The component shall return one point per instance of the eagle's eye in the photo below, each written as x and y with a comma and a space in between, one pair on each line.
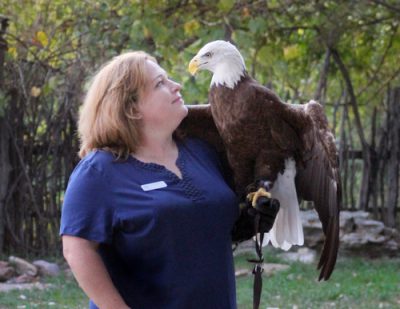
208, 55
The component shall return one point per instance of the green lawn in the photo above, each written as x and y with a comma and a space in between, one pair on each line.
356, 283
63, 293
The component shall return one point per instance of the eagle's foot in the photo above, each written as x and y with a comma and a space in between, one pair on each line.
261, 203
254, 196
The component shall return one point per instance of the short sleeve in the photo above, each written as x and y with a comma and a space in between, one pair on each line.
87, 210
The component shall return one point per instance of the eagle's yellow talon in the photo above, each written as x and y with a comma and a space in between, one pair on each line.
253, 196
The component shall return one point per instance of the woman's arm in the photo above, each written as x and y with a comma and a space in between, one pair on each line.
90, 272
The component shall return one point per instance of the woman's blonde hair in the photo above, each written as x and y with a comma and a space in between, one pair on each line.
109, 116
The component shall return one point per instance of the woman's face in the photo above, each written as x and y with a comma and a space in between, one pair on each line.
160, 104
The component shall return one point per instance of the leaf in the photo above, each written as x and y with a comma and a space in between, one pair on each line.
42, 38
13, 52
146, 32
191, 27
291, 52
257, 25
226, 5
245, 12
35, 91
265, 55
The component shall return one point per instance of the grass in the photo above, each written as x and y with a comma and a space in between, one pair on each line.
62, 293
355, 283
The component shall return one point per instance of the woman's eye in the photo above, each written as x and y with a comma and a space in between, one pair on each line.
161, 82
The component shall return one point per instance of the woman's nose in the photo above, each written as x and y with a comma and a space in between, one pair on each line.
176, 86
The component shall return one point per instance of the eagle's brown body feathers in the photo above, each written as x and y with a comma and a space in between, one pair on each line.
275, 129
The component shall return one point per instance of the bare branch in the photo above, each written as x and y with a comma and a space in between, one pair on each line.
353, 99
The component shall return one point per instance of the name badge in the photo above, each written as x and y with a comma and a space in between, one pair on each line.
153, 185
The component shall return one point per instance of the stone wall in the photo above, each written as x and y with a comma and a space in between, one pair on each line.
359, 234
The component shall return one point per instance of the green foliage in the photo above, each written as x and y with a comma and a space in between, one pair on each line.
2, 103
55, 46
282, 44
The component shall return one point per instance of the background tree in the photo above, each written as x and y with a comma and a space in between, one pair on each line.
344, 53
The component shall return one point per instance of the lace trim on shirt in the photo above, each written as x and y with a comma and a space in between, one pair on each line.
190, 190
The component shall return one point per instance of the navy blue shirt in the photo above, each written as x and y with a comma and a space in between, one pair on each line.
165, 241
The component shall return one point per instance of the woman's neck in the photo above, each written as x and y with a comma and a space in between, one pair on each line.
163, 151
156, 148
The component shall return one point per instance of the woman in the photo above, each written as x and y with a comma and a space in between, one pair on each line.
147, 218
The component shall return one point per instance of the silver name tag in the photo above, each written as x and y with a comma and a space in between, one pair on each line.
153, 185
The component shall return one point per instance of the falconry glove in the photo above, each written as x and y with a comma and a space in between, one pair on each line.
244, 227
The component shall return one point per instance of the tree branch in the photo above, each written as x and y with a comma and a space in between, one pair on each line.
353, 99
323, 77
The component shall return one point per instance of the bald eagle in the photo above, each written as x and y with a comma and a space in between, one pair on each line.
285, 149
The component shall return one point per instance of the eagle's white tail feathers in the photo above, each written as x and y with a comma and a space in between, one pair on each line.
287, 229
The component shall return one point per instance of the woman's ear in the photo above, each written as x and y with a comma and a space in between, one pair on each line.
133, 112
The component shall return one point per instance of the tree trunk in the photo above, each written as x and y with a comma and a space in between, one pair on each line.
5, 165
368, 152
323, 78
5, 168
394, 157
343, 156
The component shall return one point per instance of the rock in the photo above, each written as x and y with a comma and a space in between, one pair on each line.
354, 240
68, 273
46, 268
272, 268
6, 271
368, 226
312, 228
366, 235
23, 279
23, 267
358, 233
7, 287
392, 245
242, 272
4, 264
313, 237
303, 255
347, 215
310, 219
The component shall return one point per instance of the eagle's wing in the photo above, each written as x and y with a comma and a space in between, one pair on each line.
303, 131
200, 123
319, 181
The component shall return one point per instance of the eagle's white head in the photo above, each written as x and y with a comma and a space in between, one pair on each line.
221, 58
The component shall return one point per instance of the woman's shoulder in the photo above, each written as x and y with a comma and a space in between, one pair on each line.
99, 160
197, 144
200, 148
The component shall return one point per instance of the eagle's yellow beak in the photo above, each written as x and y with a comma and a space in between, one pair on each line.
193, 66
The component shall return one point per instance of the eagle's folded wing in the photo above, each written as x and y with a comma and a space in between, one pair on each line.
319, 181
200, 123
